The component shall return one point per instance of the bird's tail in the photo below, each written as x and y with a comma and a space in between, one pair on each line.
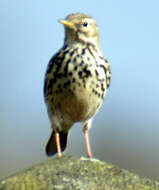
51, 147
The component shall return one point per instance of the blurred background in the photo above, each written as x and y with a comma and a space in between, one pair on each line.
126, 130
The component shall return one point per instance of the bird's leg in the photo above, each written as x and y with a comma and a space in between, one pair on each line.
86, 127
86, 136
57, 137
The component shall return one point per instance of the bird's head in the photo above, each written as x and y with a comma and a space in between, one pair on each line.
80, 28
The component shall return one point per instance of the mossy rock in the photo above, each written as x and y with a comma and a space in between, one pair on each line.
74, 173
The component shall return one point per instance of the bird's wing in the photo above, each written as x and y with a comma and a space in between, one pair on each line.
108, 74
50, 76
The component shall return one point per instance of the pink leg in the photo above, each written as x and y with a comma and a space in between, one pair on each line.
57, 137
86, 136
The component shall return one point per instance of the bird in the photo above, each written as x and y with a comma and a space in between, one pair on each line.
76, 80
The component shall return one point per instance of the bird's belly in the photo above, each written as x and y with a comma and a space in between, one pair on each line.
79, 104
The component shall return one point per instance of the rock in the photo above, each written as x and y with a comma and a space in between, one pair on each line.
74, 173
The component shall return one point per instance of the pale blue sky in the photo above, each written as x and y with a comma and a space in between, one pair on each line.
126, 130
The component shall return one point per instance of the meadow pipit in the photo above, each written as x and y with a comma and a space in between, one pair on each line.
76, 81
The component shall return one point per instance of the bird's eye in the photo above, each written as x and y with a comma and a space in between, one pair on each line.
85, 24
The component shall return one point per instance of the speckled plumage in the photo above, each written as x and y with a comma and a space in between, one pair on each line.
76, 80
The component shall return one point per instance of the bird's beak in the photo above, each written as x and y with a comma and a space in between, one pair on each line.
67, 23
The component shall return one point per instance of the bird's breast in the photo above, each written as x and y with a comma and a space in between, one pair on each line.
82, 93
77, 83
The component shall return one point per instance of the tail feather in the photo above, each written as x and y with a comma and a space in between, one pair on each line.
51, 148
